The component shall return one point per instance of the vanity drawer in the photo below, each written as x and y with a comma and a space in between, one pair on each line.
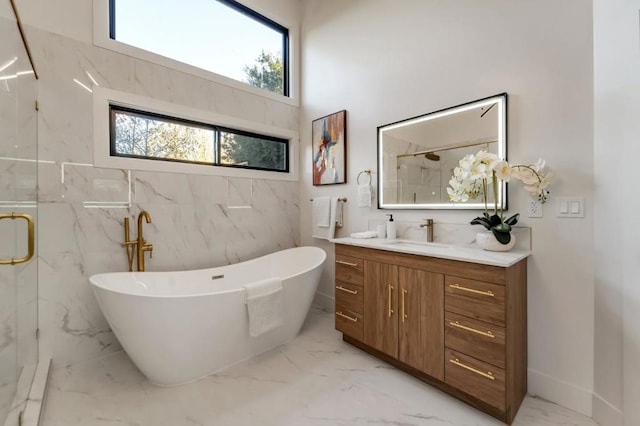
349, 269
349, 296
484, 381
349, 322
478, 339
475, 299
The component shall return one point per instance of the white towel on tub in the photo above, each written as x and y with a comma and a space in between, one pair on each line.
265, 305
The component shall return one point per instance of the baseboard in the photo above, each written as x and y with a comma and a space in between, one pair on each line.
325, 301
606, 413
33, 411
562, 393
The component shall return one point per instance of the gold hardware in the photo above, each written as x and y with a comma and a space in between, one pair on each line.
368, 174
129, 246
142, 245
404, 315
339, 287
340, 314
343, 199
473, 330
429, 225
390, 290
31, 239
342, 262
470, 290
488, 374
139, 245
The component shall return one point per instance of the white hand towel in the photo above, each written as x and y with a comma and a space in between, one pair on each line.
364, 195
329, 232
321, 211
265, 305
364, 234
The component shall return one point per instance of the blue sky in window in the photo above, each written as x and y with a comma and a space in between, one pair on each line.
203, 33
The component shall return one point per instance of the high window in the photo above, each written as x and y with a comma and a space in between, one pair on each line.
146, 135
222, 36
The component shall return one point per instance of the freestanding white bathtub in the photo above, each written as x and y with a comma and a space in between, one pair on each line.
178, 327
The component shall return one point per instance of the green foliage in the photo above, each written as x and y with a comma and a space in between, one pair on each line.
500, 228
147, 137
252, 152
266, 73
151, 138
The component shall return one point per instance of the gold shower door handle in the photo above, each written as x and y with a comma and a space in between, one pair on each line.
31, 239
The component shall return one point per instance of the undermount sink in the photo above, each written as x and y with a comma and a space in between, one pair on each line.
417, 244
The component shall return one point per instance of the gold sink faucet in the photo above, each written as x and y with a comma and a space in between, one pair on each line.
429, 225
142, 245
138, 245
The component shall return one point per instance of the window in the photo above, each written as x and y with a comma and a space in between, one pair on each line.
221, 36
146, 135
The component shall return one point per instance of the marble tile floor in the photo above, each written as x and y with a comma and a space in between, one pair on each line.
314, 380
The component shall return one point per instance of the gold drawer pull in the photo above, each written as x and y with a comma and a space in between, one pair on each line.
340, 314
470, 290
473, 330
390, 290
339, 287
342, 262
488, 374
404, 313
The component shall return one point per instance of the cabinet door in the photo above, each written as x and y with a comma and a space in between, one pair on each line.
381, 307
421, 321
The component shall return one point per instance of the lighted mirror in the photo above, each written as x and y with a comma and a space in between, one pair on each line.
416, 156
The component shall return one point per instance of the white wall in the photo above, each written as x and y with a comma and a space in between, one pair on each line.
616, 149
383, 61
193, 224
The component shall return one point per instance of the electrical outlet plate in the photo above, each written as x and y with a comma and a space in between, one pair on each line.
534, 208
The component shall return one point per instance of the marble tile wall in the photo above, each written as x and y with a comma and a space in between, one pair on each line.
197, 221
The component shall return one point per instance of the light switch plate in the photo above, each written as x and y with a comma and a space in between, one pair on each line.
570, 207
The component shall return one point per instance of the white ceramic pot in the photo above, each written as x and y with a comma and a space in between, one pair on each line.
487, 241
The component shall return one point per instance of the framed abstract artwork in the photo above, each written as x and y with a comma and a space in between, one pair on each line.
329, 147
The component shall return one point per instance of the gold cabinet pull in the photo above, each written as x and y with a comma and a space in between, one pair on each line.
30, 238
473, 330
488, 374
390, 290
342, 262
404, 315
340, 314
470, 290
339, 287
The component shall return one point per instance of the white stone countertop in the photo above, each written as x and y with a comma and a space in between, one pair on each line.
466, 253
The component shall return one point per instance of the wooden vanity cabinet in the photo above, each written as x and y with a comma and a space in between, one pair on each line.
349, 296
459, 326
404, 307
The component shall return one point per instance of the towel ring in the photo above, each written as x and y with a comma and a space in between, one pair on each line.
368, 172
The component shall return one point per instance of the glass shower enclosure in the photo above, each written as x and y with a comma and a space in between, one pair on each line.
18, 219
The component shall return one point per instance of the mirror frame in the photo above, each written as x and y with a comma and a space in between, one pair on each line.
501, 100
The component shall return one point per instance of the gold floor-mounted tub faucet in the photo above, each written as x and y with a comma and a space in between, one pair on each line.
139, 245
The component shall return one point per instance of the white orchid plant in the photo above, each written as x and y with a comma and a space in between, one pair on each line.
476, 173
